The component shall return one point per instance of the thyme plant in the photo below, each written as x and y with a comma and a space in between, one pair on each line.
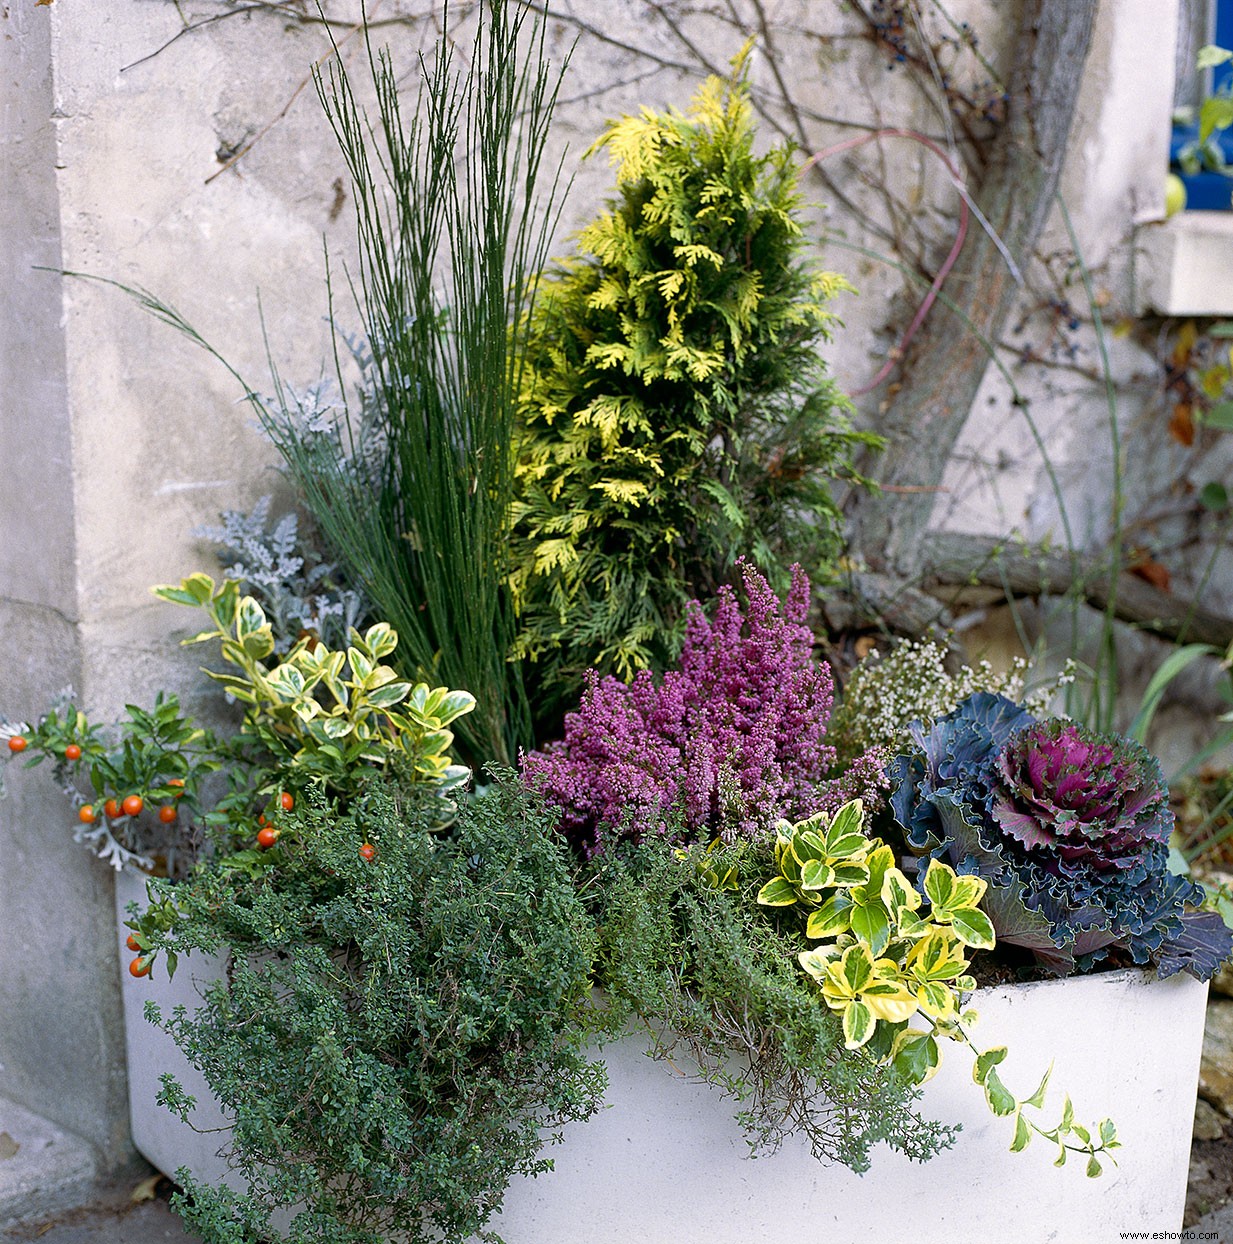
387, 1076
684, 945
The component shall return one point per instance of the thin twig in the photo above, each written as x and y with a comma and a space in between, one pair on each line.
335, 50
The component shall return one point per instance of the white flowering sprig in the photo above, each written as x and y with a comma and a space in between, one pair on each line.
884, 695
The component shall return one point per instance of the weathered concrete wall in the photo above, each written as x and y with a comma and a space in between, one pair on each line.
61, 1049
118, 437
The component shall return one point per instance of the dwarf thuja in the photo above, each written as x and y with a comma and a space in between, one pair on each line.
674, 412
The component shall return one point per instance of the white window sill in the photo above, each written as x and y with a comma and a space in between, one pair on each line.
1188, 264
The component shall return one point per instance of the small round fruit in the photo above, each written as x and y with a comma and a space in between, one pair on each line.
261, 819
166, 814
287, 800
85, 814
18, 743
132, 805
72, 752
112, 810
178, 783
132, 943
267, 837
367, 851
139, 967
1175, 195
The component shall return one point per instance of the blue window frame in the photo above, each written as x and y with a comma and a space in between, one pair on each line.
1209, 191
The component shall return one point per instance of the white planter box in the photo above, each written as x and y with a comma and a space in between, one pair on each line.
665, 1161
158, 1135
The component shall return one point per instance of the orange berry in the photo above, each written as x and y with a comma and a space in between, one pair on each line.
139, 967
18, 744
287, 800
112, 809
72, 752
166, 814
367, 851
179, 783
261, 819
85, 814
132, 943
132, 805
267, 837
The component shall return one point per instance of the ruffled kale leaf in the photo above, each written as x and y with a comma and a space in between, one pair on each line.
1070, 828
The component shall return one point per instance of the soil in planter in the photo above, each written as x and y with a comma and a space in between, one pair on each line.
1211, 1176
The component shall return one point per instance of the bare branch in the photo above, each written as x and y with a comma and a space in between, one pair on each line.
950, 561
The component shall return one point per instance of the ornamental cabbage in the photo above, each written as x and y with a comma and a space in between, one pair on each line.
1069, 827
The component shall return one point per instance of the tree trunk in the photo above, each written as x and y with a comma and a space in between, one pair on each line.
923, 419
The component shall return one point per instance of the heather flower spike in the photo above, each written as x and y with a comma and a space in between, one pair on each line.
721, 747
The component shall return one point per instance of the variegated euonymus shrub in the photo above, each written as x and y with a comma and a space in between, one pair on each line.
892, 960
312, 717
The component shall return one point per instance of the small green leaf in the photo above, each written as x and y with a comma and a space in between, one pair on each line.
1215, 113
917, 1059
986, 1061
777, 893
1214, 496
1023, 1134
816, 875
389, 695
973, 927
175, 595
1001, 1100
939, 884
831, 919
1037, 1099
381, 639
872, 925
1209, 56
1093, 1167
858, 1025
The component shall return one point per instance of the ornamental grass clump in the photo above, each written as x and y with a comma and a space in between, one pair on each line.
720, 747
1070, 827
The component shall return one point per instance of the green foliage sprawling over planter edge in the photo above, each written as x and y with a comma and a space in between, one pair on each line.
392, 1034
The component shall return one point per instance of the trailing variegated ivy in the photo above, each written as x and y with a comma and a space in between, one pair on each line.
889, 952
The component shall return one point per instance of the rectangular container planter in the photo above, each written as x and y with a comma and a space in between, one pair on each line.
665, 1159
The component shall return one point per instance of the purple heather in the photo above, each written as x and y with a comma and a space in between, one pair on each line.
722, 746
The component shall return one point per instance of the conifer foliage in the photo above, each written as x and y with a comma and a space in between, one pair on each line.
674, 413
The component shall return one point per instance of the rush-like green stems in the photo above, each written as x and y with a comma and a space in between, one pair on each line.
414, 496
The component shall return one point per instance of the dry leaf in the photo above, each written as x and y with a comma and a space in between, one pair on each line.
8, 1146
1181, 425
1152, 572
147, 1190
